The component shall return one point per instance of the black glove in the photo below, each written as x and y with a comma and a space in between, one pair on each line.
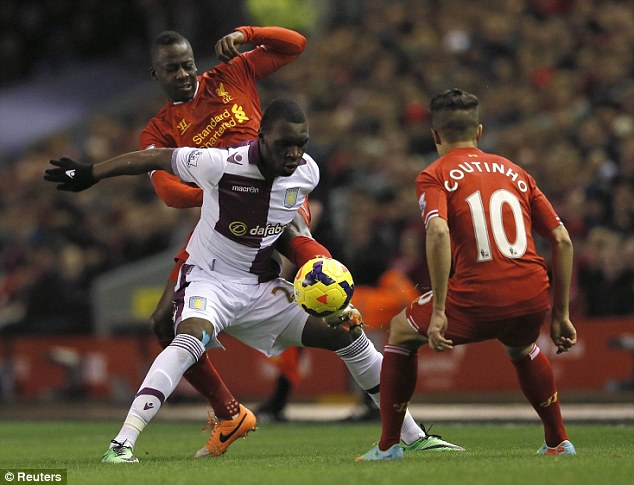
71, 176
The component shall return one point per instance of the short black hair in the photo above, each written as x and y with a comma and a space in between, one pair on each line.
282, 108
454, 114
165, 39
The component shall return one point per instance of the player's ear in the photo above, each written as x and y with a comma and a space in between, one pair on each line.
435, 136
153, 73
479, 130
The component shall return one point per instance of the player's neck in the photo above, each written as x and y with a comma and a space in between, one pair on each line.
445, 148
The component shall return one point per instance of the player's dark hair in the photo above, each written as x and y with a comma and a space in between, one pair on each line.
282, 109
166, 39
454, 114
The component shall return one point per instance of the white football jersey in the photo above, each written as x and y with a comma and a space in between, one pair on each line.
243, 214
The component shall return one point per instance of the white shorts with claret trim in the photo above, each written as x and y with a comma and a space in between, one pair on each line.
263, 316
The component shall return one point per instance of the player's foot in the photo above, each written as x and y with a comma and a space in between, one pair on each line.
394, 452
119, 453
226, 431
563, 448
431, 442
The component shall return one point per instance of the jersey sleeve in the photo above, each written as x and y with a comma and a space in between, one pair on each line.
168, 187
544, 217
152, 136
276, 47
304, 211
175, 193
204, 167
432, 198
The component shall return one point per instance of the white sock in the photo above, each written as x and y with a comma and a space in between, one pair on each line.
364, 363
166, 371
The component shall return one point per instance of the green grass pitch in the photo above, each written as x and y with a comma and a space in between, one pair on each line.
320, 453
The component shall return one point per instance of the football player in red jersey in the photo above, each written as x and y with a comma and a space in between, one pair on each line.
479, 211
218, 108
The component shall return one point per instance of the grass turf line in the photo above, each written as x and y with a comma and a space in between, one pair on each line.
319, 454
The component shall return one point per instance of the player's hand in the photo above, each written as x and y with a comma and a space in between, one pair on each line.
227, 46
436, 332
70, 176
562, 333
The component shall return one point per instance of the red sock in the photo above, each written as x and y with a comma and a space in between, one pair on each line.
398, 381
535, 375
206, 380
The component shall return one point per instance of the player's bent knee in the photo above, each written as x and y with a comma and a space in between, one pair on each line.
402, 333
517, 353
196, 327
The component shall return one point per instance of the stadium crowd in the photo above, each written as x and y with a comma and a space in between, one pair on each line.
556, 78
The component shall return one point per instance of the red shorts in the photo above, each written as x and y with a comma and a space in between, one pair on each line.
463, 328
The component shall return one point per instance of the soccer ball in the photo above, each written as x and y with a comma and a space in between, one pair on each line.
323, 286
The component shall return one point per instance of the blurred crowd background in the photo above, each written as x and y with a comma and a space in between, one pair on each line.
555, 79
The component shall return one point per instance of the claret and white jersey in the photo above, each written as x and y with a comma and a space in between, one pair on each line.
243, 214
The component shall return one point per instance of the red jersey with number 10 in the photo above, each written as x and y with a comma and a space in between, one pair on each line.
491, 206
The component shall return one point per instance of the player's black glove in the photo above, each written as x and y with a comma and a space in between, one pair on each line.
70, 175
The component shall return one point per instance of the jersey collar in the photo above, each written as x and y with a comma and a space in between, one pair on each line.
175, 103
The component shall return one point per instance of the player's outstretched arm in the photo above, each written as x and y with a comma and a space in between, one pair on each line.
72, 176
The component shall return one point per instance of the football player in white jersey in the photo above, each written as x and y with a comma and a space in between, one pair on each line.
231, 283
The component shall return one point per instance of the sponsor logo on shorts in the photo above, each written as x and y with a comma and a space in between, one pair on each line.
198, 303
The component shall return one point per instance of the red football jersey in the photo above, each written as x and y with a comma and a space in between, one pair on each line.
226, 108
491, 206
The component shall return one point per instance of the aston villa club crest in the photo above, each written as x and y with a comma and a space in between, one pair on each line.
291, 197
198, 303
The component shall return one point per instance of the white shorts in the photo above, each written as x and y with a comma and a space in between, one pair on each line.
263, 316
